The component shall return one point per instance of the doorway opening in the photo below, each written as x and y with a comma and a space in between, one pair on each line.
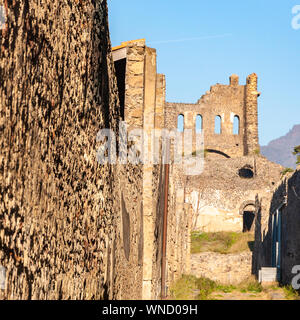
248, 220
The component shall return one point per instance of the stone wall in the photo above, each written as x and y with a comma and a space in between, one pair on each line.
144, 108
234, 268
220, 196
226, 101
70, 227
286, 195
59, 234
179, 227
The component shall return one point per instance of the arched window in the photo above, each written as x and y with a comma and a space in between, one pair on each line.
180, 123
246, 172
218, 123
236, 125
199, 123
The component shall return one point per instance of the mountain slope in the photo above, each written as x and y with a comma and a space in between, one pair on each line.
280, 150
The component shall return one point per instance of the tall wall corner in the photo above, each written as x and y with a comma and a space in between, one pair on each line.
160, 101
251, 115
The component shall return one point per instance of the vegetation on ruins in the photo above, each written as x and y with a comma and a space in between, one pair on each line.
297, 153
286, 170
221, 242
189, 287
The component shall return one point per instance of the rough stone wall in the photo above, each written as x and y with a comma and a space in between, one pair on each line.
144, 108
58, 206
179, 227
286, 193
219, 195
223, 268
226, 101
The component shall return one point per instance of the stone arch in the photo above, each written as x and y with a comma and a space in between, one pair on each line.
218, 152
248, 215
246, 172
246, 204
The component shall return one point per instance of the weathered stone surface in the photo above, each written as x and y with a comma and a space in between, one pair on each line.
223, 268
285, 196
226, 101
219, 196
61, 218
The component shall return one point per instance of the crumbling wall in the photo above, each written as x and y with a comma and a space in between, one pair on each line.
219, 196
144, 112
227, 102
286, 195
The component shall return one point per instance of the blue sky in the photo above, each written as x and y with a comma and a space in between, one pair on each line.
201, 43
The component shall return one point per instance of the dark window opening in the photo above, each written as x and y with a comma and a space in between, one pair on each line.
246, 173
248, 219
120, 66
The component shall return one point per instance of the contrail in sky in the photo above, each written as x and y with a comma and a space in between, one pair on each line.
192, 39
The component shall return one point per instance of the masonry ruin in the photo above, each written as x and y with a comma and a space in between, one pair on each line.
277, 236
74, 228
223, 196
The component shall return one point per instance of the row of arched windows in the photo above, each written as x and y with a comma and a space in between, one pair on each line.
218, 124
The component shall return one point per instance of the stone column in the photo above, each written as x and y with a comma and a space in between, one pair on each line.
160, 101
134, 85
251, 116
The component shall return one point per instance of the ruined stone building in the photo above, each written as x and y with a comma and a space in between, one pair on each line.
223, 196
277, 236
71, 227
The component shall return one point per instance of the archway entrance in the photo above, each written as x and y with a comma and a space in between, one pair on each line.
248, 219
247, 210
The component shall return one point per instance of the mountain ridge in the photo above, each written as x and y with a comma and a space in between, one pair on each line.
280, 150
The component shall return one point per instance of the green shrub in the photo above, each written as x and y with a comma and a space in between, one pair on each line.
286, 170
297, 153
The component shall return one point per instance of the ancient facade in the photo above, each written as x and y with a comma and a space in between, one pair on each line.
223, 196
142, 101
226, 103
277, 237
